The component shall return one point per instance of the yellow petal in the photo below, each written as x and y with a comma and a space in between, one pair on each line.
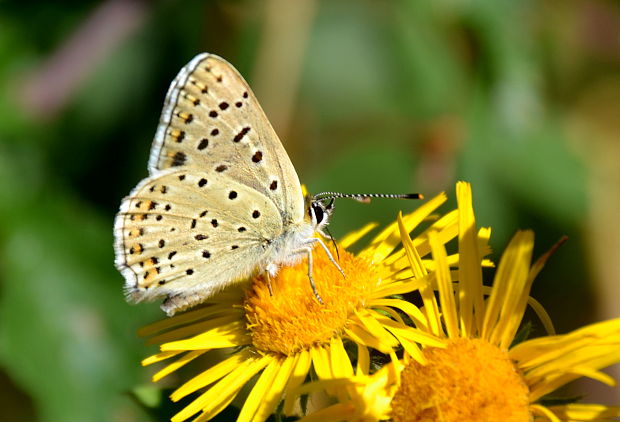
215, 408
542, 315
585, 412
363, 360
359, 335
428, 295
301, 367
374, 328
408, 308
509, 287
411, 348
324, 384
552, 361
595, 375
538, 409
229, 335
444, 284
320, 361
224, 389
159, 357
274, 393
446, 228
195, 328
471, 303
419, 336
264, 383
399, 287
212, 374
182, 361
588, 339
558, 379
341, 364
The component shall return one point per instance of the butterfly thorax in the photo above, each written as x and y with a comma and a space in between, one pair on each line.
290, 247
298, 237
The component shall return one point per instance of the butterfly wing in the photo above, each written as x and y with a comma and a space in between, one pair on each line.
221, 187
212, 121
187, 234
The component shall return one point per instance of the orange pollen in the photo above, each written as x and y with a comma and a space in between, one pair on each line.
292, 319
469, 381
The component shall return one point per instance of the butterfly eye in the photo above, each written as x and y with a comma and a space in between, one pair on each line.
318, 213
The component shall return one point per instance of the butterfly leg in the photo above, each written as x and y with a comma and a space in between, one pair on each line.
316, 293
329, 254
268, 277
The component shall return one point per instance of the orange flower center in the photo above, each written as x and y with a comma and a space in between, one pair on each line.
293, 319
469, 381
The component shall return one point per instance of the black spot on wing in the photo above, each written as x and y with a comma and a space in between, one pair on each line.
239, 136
204, 142
178, 159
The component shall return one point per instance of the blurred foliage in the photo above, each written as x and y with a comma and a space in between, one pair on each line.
400, 96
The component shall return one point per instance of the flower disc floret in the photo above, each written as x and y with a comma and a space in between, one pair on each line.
470, 380
292, 319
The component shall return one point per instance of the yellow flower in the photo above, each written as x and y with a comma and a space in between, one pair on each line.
479, 375
282, 337
363, 398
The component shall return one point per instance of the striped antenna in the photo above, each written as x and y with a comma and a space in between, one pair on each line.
365, 196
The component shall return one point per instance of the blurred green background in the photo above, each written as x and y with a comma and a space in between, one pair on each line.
521, 98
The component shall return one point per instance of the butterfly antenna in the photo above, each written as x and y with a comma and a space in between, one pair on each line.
366, 196
333, 241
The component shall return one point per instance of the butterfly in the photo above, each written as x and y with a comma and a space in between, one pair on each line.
222, 200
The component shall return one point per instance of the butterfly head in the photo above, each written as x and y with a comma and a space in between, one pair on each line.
319, 212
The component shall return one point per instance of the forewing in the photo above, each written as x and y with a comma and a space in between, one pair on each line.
212, 122
185, 232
